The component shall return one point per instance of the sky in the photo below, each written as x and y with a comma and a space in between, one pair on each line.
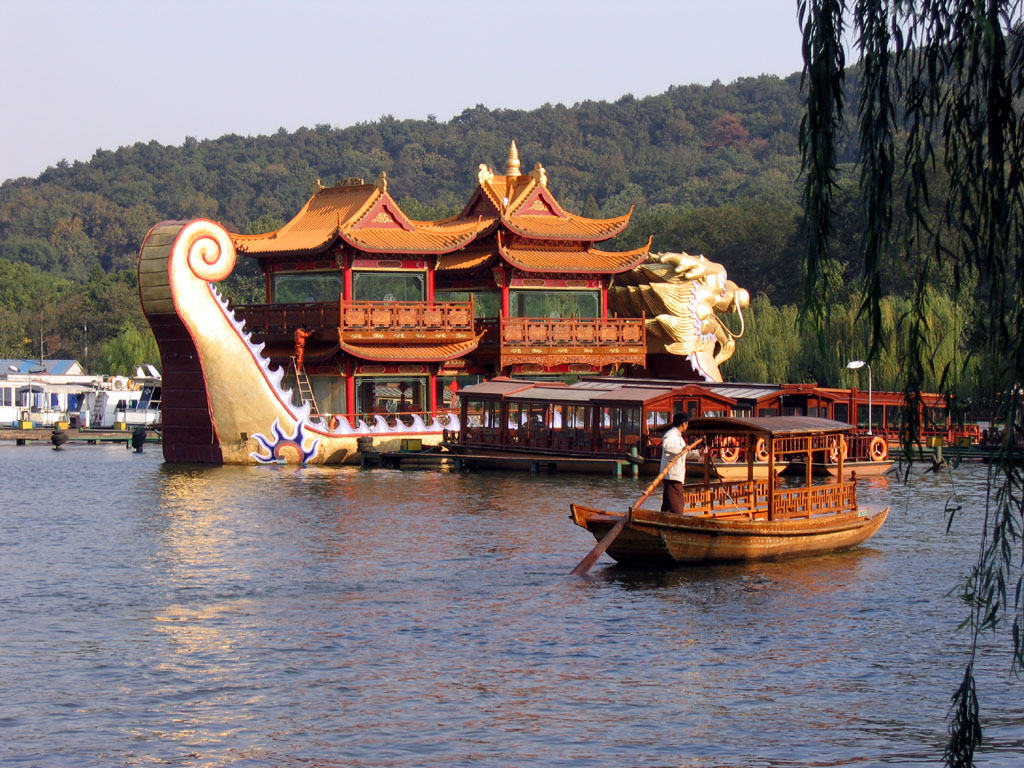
84, 75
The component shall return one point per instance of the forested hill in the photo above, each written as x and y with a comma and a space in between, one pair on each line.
691, 146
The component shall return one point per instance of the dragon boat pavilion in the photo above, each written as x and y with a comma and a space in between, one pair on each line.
402, 313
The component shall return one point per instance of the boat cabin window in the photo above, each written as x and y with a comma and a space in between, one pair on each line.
381, 285
658, 419
818, 412
619, 427
307, 287
862, 415
6, 396
541, 303
483, 413
485, 303
841, 412
516, 421
721, 412
935, 417
894, 416
767, 411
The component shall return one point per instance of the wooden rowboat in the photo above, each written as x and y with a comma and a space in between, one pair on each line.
661, 539
752, 519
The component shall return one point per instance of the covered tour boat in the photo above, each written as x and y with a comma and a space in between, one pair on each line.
748, 519
593, 424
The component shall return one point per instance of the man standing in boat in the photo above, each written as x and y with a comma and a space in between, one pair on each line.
673, 444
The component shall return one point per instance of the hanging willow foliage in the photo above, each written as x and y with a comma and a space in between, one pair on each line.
938, 121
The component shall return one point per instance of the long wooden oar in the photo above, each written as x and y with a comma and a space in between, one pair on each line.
588, 562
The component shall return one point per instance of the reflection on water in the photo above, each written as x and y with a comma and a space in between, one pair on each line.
285, 617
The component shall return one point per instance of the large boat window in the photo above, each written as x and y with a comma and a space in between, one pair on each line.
307, 287
6, 396
841, 412
485, 303
329, 392
541, 303
390, 394
388, 286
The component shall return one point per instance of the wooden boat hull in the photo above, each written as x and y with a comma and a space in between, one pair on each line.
659, 539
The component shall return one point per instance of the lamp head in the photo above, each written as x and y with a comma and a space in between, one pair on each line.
855, 364
13, 368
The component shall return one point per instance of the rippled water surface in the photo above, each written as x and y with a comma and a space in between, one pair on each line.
253, 616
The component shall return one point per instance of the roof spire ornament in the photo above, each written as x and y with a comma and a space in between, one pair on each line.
539, 174
317, 187
485, 174
512, 163
382, 181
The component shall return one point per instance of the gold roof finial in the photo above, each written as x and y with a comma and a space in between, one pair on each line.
317, 187
382, 181
540, 174
512, 164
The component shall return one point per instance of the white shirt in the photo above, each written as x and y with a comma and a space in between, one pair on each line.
671, 446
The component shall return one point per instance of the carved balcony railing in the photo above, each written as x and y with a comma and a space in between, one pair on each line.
551, 341
365, 320
406, 320
285, 318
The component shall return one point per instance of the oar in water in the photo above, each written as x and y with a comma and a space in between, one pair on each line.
588, 562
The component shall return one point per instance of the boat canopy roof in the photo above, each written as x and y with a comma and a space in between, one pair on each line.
773, 426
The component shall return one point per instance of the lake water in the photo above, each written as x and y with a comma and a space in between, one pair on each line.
275, 616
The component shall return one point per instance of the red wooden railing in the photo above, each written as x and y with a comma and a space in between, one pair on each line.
405, 316
573, 332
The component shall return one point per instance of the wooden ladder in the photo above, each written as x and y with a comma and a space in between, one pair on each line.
305, 389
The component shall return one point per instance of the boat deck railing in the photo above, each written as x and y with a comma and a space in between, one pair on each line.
751, 498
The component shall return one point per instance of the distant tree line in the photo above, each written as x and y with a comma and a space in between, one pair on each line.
710, 169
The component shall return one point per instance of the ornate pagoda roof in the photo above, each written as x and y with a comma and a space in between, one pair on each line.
524, 205
560, 259
366, 217
546, 237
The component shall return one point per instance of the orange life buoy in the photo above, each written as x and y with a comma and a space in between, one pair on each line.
761, 450
837, 449
878, 450
730, 450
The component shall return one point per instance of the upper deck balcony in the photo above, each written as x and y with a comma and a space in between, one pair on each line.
406, 320
515, 340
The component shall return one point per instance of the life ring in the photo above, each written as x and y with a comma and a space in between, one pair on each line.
838, 449
878, 450
730, 450
761, 450
334, 422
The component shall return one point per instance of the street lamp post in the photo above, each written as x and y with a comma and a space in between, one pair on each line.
854, 365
